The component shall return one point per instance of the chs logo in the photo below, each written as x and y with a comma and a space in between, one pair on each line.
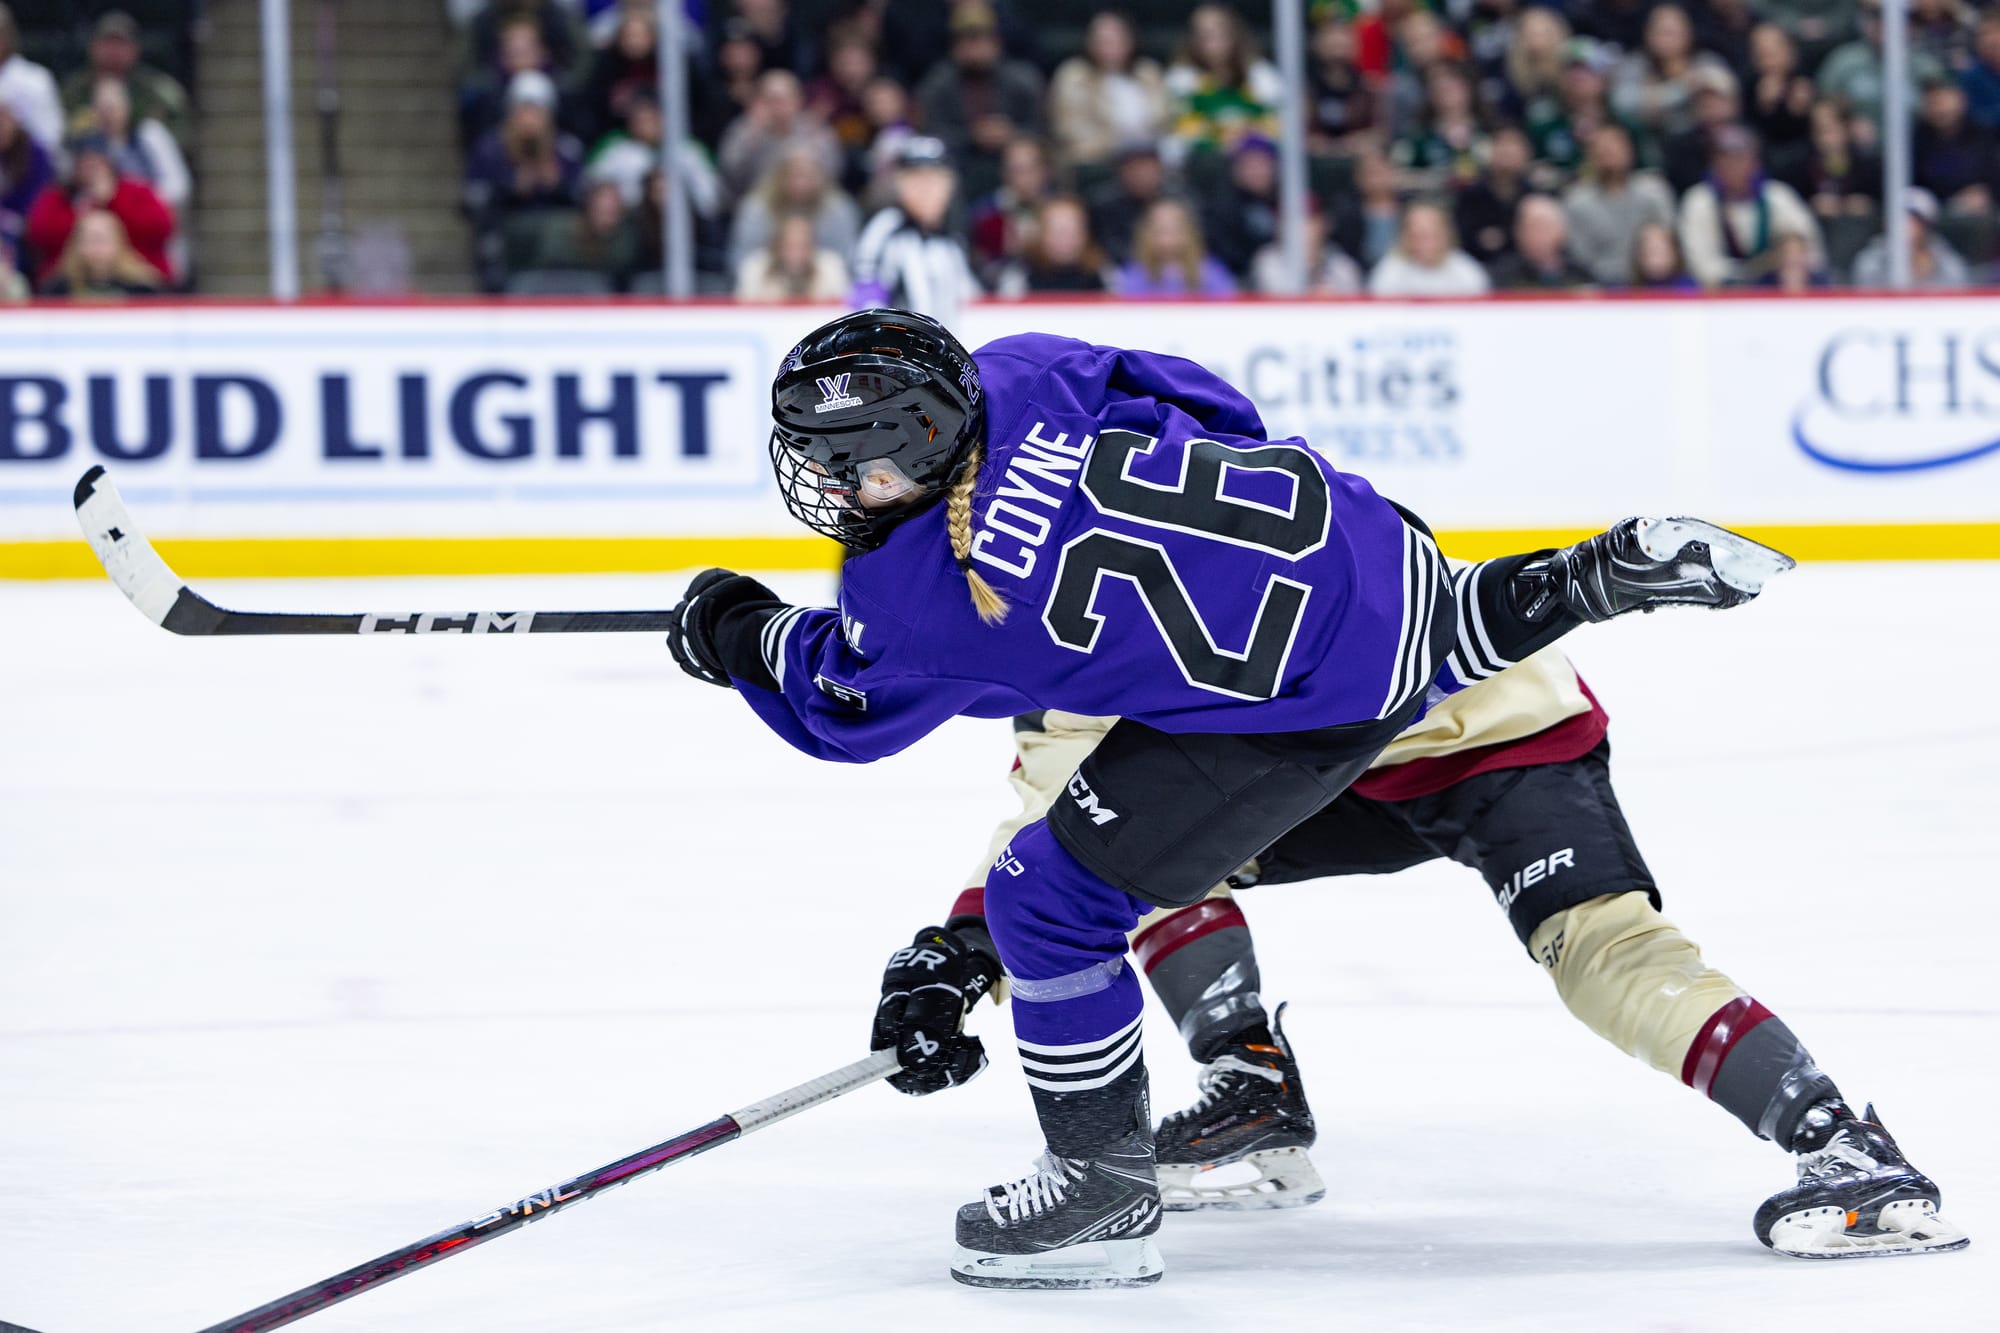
833, 393
1902, 400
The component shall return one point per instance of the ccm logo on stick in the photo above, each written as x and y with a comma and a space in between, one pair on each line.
431, 622
1533, 873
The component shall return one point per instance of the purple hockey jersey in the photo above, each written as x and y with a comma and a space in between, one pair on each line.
1162, 561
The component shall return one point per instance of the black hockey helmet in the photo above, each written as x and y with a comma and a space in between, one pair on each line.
875, 414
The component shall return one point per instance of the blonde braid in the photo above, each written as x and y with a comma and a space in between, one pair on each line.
958, 523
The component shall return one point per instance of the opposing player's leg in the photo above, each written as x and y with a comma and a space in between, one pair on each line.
1556, 851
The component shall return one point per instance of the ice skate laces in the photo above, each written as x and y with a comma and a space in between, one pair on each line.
1032, 1195
1219, 1076
1844, 1152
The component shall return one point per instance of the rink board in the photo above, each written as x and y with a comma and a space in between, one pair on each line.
509, 438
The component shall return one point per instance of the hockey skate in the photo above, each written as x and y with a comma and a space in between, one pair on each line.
1242, 1145
1857, 1195
1069, 1223
1644, 563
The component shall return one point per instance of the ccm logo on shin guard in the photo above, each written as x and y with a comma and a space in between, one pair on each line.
1533, 873
1087, 801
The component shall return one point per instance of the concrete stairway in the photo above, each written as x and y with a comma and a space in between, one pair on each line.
398, 151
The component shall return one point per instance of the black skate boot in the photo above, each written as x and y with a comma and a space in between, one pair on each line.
1243, 1143
1070, 1223
1857, 1195
1643, 563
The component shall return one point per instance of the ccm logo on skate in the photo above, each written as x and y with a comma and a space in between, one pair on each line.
430, 622
547, 1199
1533, 873
1087, 801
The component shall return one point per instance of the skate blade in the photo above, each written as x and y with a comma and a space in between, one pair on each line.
1739, 562
1277, 1178
1908, 1226
1099, 1263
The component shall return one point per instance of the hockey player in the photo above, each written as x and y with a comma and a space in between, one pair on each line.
1510, 777
1052, 524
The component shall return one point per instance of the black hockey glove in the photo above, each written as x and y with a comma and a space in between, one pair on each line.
926, 991
716, 626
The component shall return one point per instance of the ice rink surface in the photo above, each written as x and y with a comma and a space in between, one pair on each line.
311, 947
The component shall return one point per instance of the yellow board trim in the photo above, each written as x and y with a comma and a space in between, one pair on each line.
355, 557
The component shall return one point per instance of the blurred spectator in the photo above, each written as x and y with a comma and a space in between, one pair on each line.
1427, 260
1002, 222
114, 54
628, 156
144, 152
1169, 259
1793, 267
1448, 143
28, 89
1729, 222
838, 98
1815, 24
1059, 256
1685, 156
25, 171
1537, 58
518, 49
1140, 183
1375, 35
1981, 78
1342, 105
1107, 96
728, 94
1953, 158
1558, 134
1609, 205
1852, 74
1781, 96
1330, 271
1942, 31
1540, 260
905, 257
785, 42
913, 33
624, 72
1934, 265
1422, 44
14, 288
1484, 210
94, 185
776, 120
1368, 226
99, 262
796, 185
977, 101
601, 238
791, 266
1222, 90
1656, 262
1654, 87
1241, 218
1489, 29
1836, 178
558, 36
888, 108
523, 165
1724, 29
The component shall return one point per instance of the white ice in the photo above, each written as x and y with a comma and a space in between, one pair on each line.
311, 947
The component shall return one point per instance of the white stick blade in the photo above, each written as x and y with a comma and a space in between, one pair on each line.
122, 549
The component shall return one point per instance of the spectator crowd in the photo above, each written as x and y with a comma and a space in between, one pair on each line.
94, 177
922, 151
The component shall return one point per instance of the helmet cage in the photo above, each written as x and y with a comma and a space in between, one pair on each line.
819, 443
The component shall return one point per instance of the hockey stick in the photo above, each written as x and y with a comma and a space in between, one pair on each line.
168, 602
387, 1268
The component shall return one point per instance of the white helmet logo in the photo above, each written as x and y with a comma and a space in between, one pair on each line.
833, 393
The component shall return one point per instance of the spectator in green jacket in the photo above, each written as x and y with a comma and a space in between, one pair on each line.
1852, 74
114, 54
